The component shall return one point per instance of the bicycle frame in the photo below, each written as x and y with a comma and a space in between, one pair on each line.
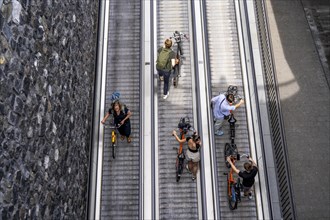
233, 189
113, 140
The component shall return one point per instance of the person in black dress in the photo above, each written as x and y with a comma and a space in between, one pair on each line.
121, 115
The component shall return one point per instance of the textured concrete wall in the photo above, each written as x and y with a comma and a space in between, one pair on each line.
47, 56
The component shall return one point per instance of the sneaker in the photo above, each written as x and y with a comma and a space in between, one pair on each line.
193, 178
165, 96
161, 78
129, 139
218, 133
250, 196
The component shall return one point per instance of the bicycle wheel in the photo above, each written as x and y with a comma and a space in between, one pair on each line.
113, 150
238, 189
113, 143
177, 167
232, 199
227, 153
176, 76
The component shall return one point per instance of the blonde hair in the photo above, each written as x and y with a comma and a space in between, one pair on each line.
168, 43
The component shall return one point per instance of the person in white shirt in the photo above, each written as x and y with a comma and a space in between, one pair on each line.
222, 107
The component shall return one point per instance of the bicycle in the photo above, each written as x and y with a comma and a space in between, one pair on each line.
184, 126
177, 36
234, 188
114, 141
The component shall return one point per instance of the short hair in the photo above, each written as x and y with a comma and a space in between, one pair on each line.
248, 166
168, 43
230, 98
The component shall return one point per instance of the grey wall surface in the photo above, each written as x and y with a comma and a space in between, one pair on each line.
47, 56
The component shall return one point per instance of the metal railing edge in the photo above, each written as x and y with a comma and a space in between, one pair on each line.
147, 191
93, 185
280, 115
206, 182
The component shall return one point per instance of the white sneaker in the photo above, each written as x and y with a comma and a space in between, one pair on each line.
165, 96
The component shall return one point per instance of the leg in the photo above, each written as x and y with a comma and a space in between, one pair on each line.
194, 169
247, 191
190, 165
166, 81
218, 126
161, 74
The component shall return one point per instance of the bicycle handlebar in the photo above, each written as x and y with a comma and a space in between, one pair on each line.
177, 36
112, 126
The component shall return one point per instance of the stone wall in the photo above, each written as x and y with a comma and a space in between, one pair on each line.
47, 67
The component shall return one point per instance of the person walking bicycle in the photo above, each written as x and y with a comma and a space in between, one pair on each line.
222, 106
165, 62
248, 175
121, 115
192, 153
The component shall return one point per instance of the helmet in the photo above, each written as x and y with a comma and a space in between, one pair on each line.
115, 96
184, 124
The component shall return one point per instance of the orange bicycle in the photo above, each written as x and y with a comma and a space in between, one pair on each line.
234, 188
184, 126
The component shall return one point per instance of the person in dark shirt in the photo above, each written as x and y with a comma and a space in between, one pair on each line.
121, 115
248, 175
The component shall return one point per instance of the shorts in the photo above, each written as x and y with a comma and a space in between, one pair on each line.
195, 157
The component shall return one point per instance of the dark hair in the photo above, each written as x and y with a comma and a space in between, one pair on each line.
114, 103
230, 98
195, 137
248, 166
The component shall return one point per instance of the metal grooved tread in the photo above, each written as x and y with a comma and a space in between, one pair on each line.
226, 70
121, 176
176, 200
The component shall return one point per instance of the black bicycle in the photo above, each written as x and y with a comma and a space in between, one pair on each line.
177, 36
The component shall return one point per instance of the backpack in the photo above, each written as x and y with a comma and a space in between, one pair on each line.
163, 58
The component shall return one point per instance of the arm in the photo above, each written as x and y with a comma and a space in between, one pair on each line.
253, 162
127, 117
174, 62
232, 165
177, 137
239, 104
105, 118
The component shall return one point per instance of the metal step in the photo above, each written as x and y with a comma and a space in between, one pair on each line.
176, 200
121, 176
226, 70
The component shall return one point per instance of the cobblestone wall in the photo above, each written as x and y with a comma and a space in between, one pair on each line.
47, 56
